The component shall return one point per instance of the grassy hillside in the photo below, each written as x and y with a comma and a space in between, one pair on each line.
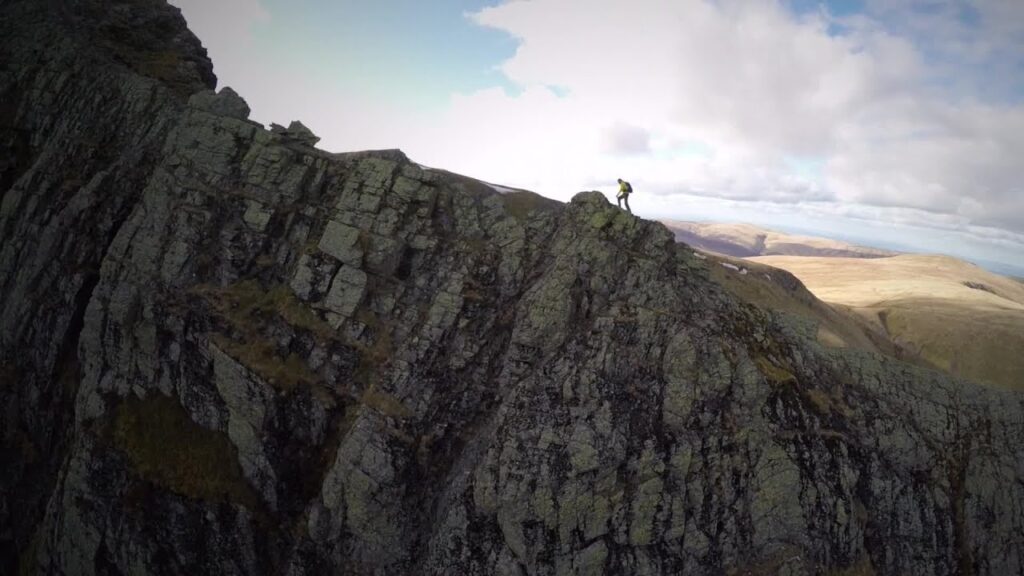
953, 314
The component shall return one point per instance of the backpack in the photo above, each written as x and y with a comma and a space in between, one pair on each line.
629, 187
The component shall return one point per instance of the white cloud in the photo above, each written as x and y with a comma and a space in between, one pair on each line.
757, 85
643, 82
623, 138
713, 99
958, 160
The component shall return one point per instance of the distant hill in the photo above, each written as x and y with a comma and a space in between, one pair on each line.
746, 240
953, 314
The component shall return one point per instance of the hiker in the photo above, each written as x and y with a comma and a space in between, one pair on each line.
624, 191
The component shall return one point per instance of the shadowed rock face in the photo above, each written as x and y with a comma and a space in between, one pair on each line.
228, 352
89, 91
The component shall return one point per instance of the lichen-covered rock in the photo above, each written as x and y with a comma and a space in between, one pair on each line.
225, 353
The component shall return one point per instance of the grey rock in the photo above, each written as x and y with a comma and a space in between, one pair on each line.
296, 132
248, 400
342, 242
346, 293
256, 216
227, 103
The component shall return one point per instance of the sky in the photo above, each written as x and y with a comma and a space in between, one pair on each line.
894, 123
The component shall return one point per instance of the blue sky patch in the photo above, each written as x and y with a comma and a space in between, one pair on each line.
412, 51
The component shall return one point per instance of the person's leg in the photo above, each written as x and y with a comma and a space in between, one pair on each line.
626, 198
619, 200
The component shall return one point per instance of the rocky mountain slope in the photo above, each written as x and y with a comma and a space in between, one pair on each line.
225, 351
746, 240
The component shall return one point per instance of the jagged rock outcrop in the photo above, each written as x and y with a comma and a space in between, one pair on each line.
228, 352
296, 132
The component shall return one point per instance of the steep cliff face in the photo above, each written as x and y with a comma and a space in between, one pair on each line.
89, 91
228, 352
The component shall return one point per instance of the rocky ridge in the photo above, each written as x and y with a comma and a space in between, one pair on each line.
225, 351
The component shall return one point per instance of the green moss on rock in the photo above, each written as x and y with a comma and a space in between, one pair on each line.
825, 403
244, 303
261, 356
248, 308
28, 561
774, 373
165, 447
601, 218
385, 403
520, 204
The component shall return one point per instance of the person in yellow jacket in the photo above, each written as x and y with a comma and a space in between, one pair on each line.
624, 191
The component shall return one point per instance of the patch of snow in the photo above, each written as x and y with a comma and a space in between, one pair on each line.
732, 267
500, 189
700, 256
743, 271
769, 277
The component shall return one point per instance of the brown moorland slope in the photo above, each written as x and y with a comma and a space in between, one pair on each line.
957, 316
776, 290
745, 240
